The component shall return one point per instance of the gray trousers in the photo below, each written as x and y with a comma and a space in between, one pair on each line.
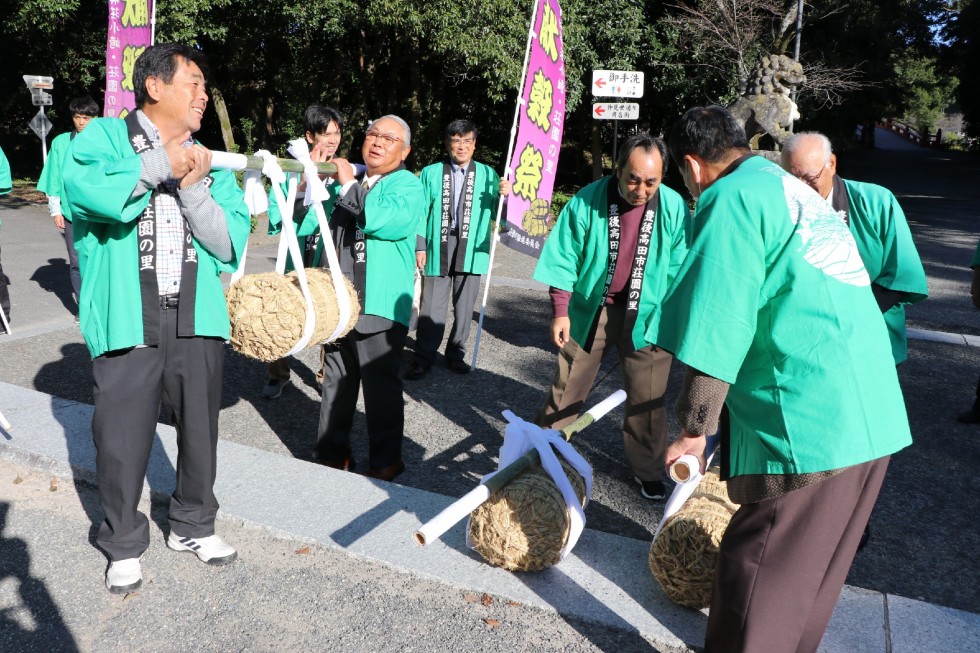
436, 291
4, 294
73, 271
185, 374
370, 361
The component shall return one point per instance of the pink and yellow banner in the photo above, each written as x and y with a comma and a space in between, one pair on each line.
538, 141
130, 32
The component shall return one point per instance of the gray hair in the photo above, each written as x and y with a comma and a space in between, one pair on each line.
401, 123
796, 141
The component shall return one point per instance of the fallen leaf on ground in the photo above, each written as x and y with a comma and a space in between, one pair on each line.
493, 623
513, 603
471, 597
303, 551
18, 480
129, 595
54, 485
487, 600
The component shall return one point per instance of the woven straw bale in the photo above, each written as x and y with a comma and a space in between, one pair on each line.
683, 556
525, 525
268, 312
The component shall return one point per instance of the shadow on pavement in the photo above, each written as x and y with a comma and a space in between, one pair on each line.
35, 622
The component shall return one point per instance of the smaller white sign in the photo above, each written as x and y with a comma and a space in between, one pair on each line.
40, 124
42, 99
616, 111
617, 83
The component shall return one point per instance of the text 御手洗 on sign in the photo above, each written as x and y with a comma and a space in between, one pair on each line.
617, 83
616, 111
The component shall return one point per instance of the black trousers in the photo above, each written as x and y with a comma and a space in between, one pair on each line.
4, 294
370, 361
185, 374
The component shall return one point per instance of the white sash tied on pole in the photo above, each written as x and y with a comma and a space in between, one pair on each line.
519, 438
317, 190
257, 202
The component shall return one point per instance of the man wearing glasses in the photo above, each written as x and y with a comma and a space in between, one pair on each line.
878, 225
374, 224
454, 248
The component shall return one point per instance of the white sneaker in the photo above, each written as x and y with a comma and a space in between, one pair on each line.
123, 576
274, 387
212, 549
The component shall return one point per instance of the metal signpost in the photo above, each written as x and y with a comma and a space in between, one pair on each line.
39, 86
616, 83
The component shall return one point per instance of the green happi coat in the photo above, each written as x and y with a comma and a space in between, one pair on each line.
6, 184
486, 195
100, 173
50, 182
304, 218
392, 210
575, 256
885, 242
774, 299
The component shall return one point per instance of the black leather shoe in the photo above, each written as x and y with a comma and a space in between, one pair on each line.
343, 463
416, 371
386, 473
458, 366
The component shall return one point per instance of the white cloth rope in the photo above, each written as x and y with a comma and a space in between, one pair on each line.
519, 438
275, 174
319, 193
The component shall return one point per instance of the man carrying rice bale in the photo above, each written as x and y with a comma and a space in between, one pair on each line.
153, 230
773, 313
374, 224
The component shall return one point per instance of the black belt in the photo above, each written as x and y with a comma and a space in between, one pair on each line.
169, 301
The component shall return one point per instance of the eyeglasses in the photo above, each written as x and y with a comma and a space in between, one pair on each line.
387, 139
811, 178
462, 141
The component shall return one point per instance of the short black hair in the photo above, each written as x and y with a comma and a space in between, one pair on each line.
84, 106
460, 128
162, 61
318, 117
709, 132
643, 141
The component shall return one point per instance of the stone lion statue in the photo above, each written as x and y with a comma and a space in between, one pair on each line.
765, 106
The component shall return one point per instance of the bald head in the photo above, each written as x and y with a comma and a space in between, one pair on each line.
808, 157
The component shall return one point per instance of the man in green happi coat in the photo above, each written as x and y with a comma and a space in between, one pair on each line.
773, 314
82, 110
453, 251
373, 223
609, 260
878, 225
154, 230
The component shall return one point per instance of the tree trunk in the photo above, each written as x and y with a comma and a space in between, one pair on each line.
224, 119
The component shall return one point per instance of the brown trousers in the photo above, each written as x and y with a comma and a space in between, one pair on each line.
644, 374
783, 562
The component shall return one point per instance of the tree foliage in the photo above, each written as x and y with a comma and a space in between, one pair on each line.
435, 61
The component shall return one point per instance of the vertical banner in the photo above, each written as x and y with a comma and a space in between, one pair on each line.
538, 141
130, 32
